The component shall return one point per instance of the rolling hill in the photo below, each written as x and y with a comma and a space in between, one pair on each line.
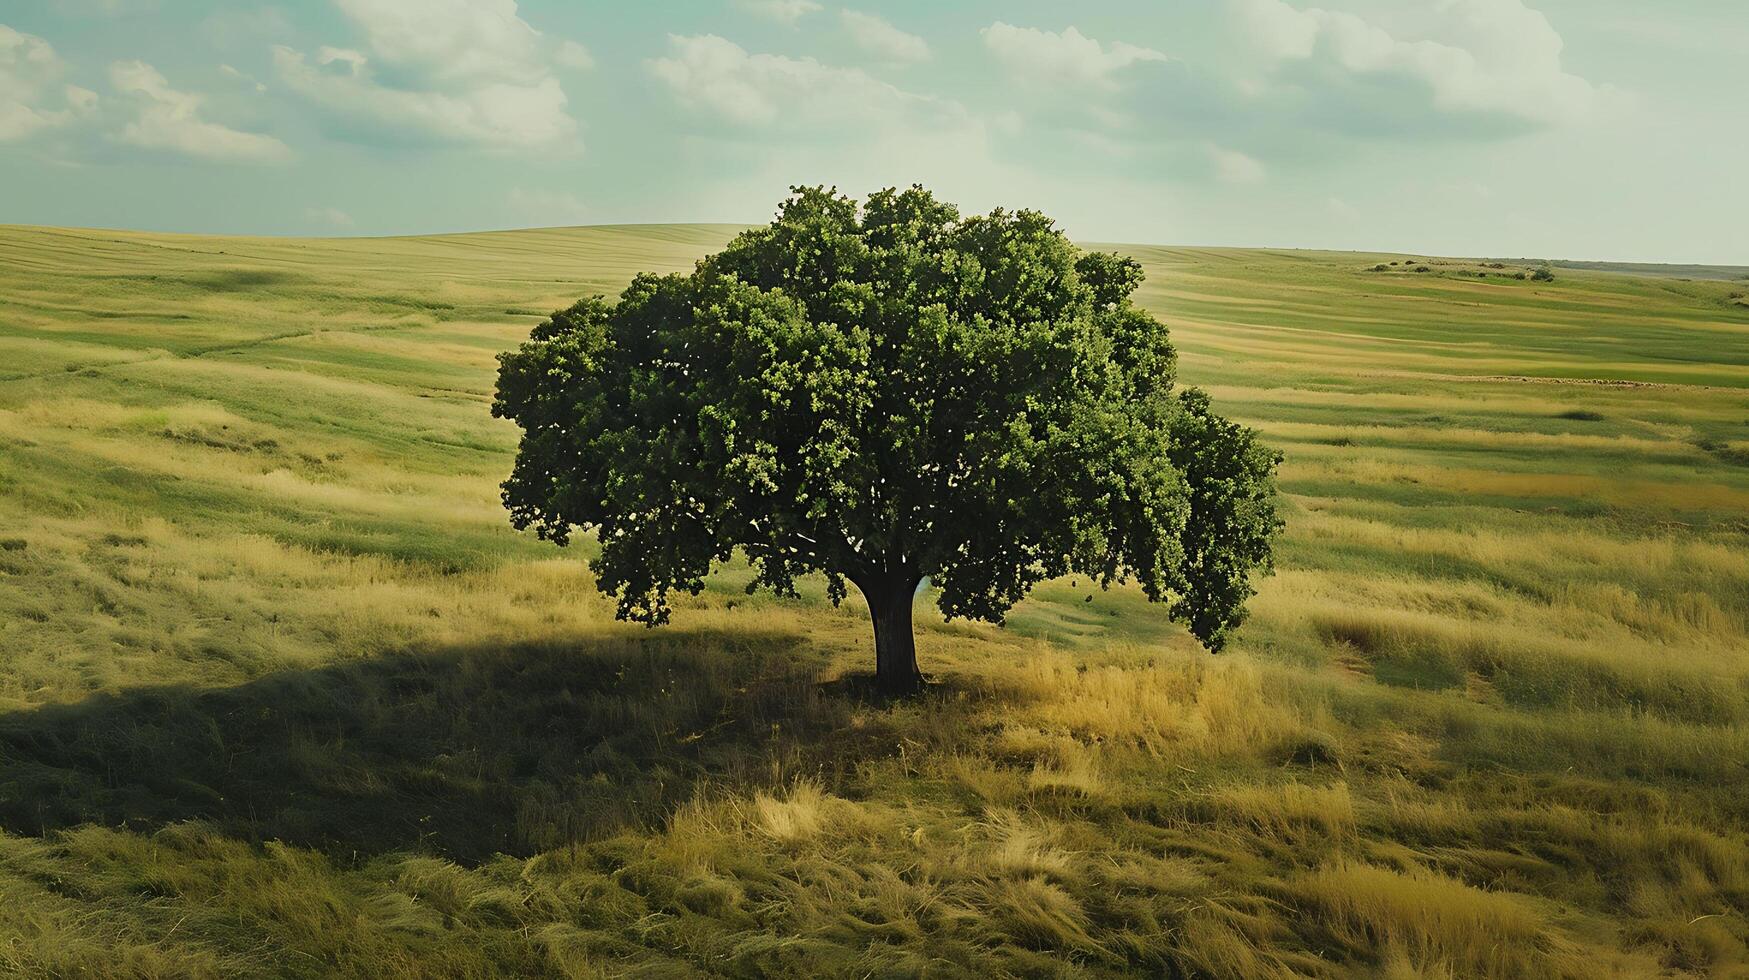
283, 692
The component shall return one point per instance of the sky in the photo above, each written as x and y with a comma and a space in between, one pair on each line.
1585, 129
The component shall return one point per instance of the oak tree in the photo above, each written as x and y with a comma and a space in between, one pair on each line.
886, 392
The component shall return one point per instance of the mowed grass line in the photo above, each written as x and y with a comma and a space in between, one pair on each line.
285, 694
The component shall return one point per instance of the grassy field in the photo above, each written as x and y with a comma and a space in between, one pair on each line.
281, 692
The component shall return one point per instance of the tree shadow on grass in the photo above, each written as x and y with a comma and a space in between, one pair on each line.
464, 752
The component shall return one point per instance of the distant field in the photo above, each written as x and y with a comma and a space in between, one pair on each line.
1727, 273
282, 692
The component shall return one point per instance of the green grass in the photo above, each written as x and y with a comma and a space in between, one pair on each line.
283, 693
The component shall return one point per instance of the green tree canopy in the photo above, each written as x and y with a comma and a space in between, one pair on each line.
881, 393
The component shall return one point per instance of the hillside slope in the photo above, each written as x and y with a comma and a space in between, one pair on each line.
283, 692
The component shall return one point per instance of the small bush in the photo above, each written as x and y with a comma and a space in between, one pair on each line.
1728, 452
13, 544
1544, 274
1581, 415
1422, 268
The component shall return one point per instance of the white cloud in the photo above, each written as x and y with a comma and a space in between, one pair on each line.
711, 74
355, 61
466, 40
465, 71
1277, 29
574, 56
167, 119
1233, 167
81, 100
29, 83
243, 77
329, 216
783, 11
1068, 58
498, 115
1478, 56
882, 39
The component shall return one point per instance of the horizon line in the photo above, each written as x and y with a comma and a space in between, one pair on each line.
613, 225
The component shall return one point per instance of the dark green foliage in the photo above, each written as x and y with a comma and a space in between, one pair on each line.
882, 393
1543, 274
1232, 516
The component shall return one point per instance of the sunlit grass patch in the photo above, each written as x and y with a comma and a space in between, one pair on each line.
1166, 708
1431, 924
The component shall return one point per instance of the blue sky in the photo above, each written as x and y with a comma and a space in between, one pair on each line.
1547, 128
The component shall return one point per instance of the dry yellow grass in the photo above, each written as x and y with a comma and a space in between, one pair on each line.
283, 693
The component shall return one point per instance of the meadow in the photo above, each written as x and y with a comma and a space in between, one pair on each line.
282, 693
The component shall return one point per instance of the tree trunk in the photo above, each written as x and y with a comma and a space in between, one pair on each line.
889, 604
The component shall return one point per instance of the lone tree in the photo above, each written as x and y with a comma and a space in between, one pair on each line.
883, 393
